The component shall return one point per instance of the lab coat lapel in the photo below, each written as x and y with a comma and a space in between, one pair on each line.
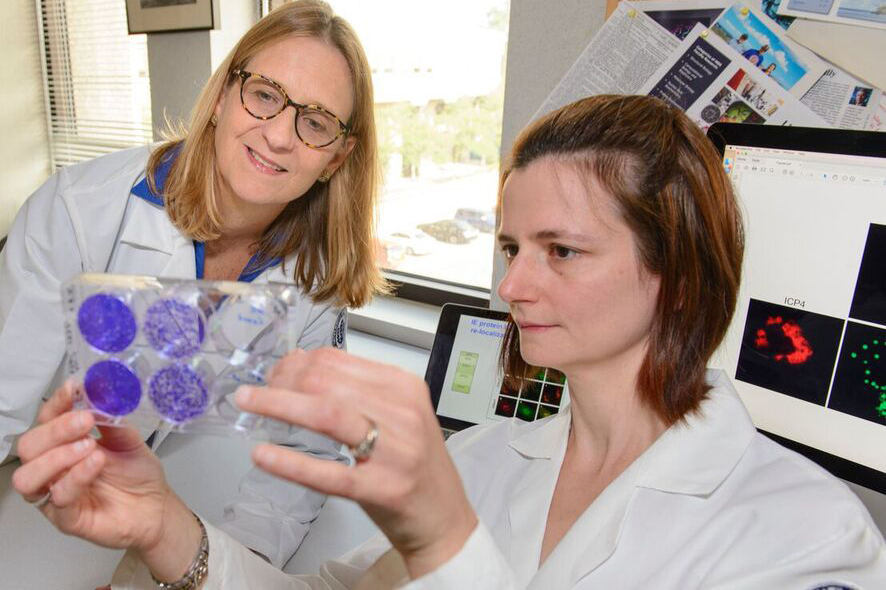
152, 244
695, 456
692, 458
527, 517
275, 274
594, 536
544, 449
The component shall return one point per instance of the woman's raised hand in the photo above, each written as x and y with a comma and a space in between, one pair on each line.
408, 484
111, 491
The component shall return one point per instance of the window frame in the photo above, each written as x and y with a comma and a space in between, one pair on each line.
435, 291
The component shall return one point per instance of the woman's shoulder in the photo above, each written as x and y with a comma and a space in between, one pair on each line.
768, 476
781, 515
796, 506
766, 469
125, 165
780, 472
95, 187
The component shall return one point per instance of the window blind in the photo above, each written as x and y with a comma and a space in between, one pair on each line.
98, 97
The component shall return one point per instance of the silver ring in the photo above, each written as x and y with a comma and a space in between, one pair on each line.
364, 448
43, 500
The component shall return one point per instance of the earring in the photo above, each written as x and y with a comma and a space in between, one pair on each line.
213, 120
323, 177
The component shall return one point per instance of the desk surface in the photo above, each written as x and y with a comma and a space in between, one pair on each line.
205, 471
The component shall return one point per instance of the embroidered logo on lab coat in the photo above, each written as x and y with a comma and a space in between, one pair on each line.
338, 331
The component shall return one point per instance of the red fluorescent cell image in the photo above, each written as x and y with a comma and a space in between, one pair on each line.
505, 407
508, 387
762, 341
551, 394
789, 350
796, 349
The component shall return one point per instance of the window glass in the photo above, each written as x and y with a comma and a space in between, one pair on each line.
438, 73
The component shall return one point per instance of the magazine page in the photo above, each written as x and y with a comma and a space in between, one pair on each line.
708, 80
863, 13
626, 50
680, 16
843, 101
763, 45
877, 122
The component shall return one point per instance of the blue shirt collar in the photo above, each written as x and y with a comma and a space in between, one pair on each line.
143, 190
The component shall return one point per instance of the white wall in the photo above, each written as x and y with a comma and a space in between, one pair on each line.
24, 153
181, 63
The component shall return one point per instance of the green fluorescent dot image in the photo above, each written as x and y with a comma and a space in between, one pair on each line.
526, 411
857, 388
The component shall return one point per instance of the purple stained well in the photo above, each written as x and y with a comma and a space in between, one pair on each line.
173, 328
178, 393
112, 387
106, 322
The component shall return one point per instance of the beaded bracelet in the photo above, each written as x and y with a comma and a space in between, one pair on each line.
198, 570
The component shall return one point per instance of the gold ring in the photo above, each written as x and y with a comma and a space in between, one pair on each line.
363, 450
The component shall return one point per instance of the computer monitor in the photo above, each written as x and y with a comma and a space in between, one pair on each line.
807, 346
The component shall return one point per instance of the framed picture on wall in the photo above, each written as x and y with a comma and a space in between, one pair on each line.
153, 16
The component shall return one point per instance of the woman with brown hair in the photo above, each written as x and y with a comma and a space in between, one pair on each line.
274, 179
624, 247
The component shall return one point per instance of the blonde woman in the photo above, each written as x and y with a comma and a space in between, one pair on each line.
273, 180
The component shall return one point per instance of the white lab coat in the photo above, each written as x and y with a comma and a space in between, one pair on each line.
84, 219
711, 504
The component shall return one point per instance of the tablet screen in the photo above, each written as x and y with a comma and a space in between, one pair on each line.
467, 385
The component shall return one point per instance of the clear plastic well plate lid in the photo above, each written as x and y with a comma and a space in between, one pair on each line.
169, 353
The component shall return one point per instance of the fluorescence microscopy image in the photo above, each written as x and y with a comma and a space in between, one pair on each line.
869, 299
523, 400
860, 382
789, 350
552, 394
545, 411
505, 406
526, 411
555, 376
509, 388
537, 373
531, 390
